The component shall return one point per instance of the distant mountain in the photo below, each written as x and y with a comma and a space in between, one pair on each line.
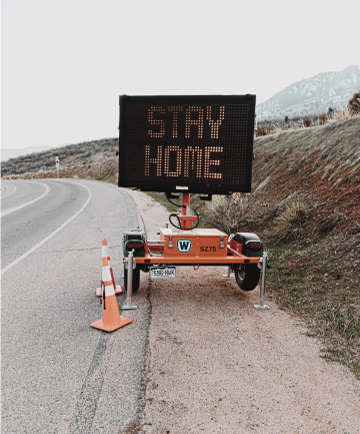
334, 89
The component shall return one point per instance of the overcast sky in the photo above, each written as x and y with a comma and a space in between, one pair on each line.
65, 62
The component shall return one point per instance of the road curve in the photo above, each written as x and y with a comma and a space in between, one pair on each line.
59, 374
30, 202
7, 189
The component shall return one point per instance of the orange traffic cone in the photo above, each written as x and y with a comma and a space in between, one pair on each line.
105, 254
111, 319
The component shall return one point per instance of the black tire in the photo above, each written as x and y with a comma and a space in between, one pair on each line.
247, 277
136, 279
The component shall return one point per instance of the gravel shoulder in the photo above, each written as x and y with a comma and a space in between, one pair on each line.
217, 365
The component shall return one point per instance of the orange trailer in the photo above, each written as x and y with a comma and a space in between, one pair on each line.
180, 246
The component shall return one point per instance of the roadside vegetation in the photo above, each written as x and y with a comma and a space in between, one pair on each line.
91, 160
304, 205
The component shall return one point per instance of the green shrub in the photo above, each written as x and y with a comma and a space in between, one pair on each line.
289, 224
225, 213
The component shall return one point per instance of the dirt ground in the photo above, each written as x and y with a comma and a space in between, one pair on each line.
217, 365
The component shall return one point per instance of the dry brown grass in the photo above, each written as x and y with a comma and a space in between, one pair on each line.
290, 222
346, 113
307, 123
279, 132
354, 104
263, 131
225, 213
323, 119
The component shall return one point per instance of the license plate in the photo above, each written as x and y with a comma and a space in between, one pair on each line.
162, 273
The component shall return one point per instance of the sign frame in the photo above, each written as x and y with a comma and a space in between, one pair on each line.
169, 185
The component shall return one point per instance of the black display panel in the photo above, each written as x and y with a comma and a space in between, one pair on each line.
200, 144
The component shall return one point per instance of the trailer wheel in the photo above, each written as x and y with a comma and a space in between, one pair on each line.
247, 276
136, 279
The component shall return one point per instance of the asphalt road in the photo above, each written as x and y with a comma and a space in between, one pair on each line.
59, 375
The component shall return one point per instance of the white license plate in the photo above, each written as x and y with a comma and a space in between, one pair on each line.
162, 273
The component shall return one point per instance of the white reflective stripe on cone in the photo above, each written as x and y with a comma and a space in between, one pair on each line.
107, 279
105, 251
109, 288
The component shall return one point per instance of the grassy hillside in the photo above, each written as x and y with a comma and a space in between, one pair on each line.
304, 205
93, 160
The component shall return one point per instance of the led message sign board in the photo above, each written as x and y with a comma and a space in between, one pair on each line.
201, 144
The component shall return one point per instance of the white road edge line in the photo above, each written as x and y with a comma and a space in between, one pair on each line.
11, 192
47, 189
20, 258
